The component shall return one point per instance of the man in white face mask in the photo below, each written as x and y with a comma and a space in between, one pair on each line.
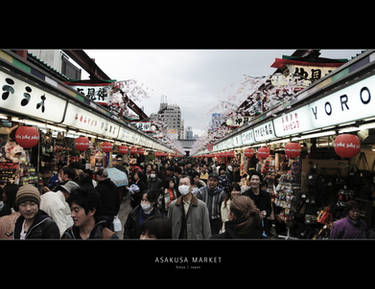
188, 215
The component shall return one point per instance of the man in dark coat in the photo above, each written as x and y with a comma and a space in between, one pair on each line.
109, 198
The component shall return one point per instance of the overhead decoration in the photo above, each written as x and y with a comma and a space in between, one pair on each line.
263, 152
27, 136
249, 152
107, 147
292, 150
82, 143
347, 145
123, 149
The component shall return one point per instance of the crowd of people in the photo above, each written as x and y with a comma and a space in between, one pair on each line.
170, 199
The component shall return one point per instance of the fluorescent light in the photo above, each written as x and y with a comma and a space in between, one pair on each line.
349, 129
315, 135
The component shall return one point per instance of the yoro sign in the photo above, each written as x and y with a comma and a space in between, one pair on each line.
351, 103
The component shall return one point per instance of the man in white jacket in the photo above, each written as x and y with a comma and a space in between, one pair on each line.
55, 205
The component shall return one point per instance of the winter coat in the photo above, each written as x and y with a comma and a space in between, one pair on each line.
154, 184
43, 227
231, 232
345, 228
213, 200
197, 219
133, 226
54, 204
262, 201
100, 231
109, 198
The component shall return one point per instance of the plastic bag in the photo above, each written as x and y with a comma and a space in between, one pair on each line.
117, 224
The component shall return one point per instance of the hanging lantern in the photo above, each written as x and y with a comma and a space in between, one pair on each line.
140, 151
133, 150
292, 150
123, 149
27, 136
107, 147
230, 154
263, 152
347, 145
249, 152
82, 143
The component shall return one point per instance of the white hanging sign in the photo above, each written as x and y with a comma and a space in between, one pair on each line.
21, 97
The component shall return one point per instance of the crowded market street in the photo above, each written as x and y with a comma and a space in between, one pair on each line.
288, 154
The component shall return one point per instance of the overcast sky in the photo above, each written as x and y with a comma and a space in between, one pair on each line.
196, 80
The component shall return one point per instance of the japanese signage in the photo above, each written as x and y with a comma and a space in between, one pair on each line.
145, 126
80, 118
248, 137
98, 93
264, 132
310, 73
21, 97
293, 122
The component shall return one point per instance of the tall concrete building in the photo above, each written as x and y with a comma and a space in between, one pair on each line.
170, 114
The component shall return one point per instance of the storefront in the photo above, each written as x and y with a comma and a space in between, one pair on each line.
310, 186
63, 125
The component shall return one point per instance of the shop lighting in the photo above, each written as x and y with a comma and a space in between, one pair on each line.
349, 129
3, 116
315, 135
367, 126
280, 141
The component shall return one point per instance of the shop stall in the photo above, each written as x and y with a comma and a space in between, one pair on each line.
316, 151
45, 123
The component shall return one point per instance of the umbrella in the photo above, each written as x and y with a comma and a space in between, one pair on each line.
118, 177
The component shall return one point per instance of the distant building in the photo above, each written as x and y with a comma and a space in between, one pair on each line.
189, 133
170, 114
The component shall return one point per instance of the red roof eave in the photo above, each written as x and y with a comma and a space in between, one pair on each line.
281, 62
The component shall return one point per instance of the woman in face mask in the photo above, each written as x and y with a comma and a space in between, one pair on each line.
146, 209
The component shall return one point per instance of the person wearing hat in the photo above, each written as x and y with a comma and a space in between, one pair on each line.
33, 223
56, 206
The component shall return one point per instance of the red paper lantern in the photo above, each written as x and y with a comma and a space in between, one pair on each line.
107, 147
123, 149
292, 150
140, 151
230, 154
347, 145
249, 152
82, 143
133, 150
263, 152
27, 136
